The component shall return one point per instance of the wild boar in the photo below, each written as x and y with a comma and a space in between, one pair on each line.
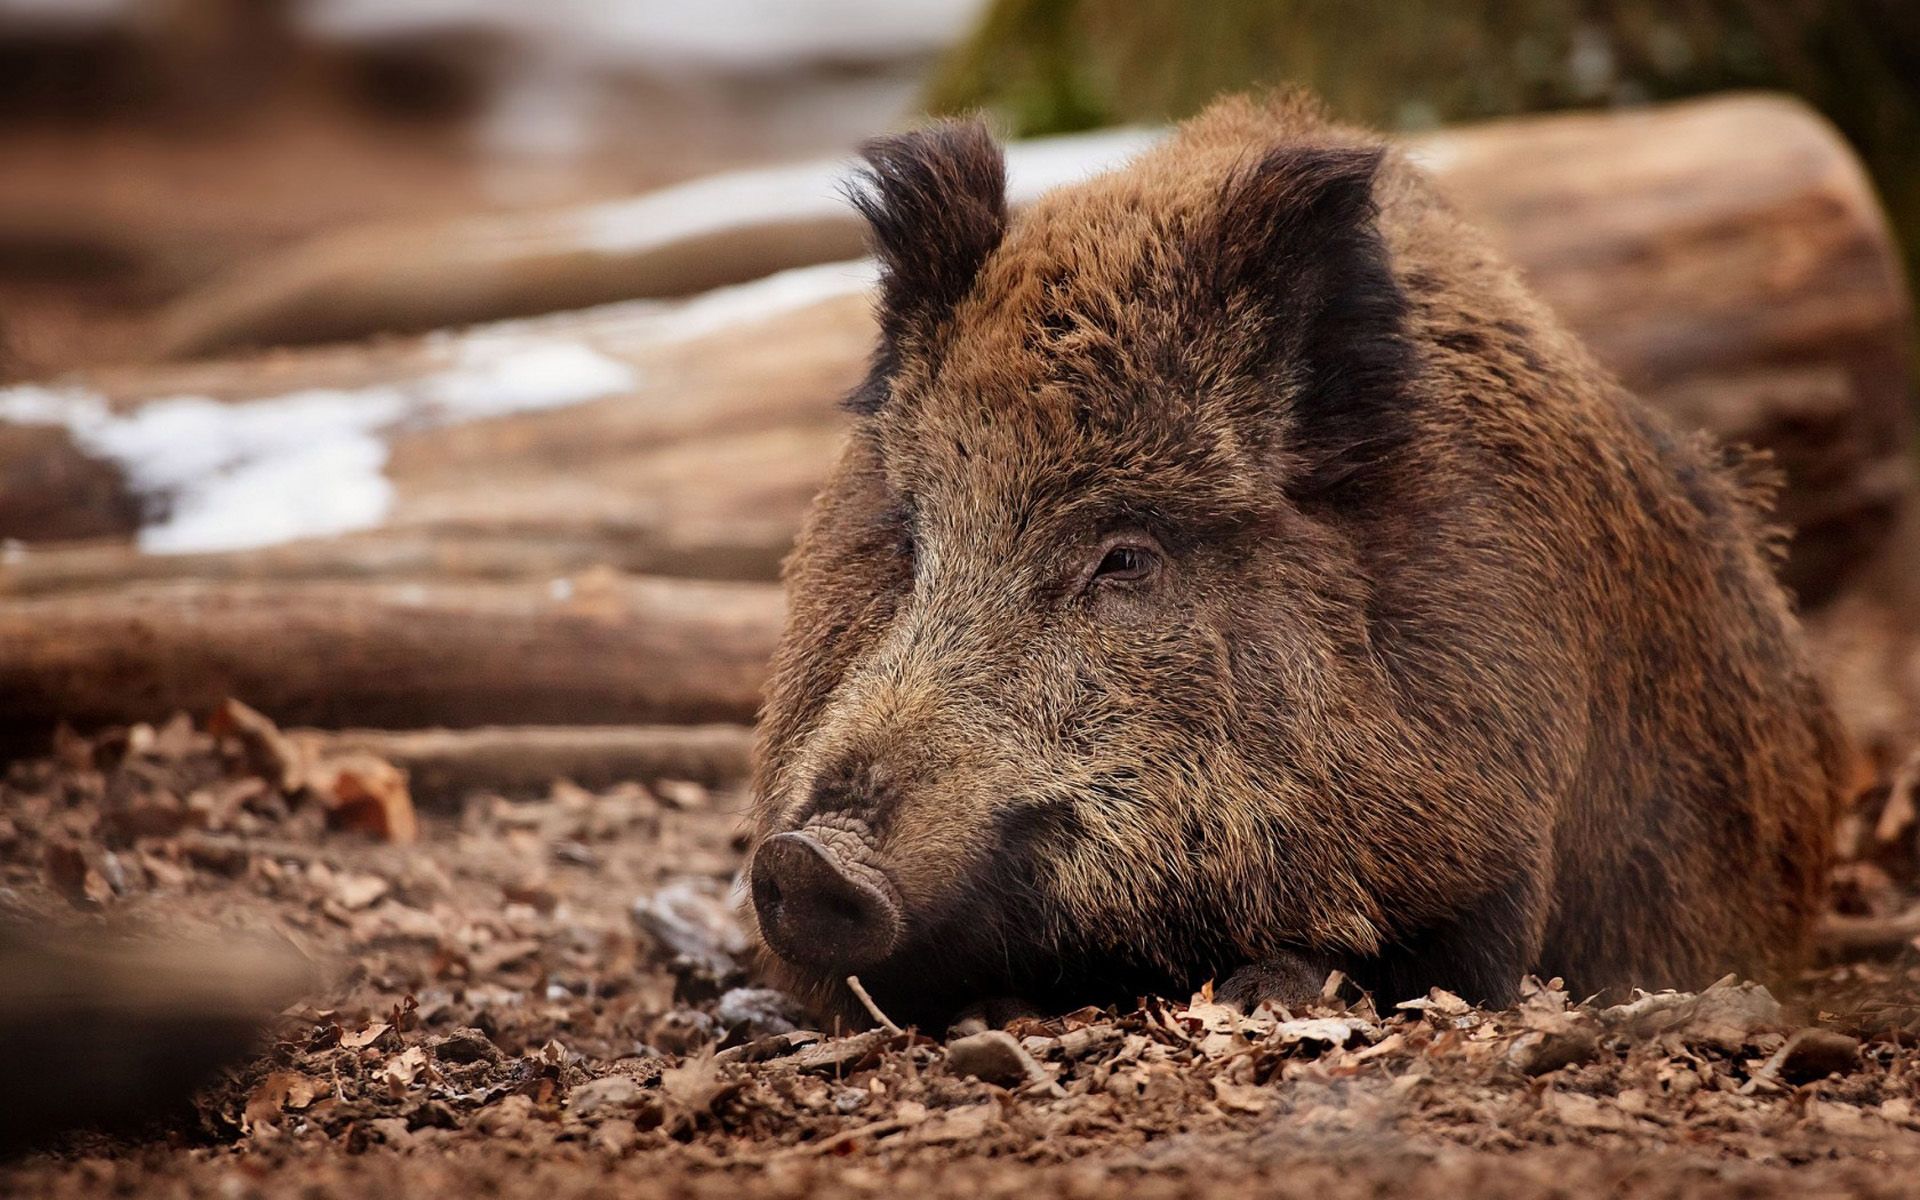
1234, 573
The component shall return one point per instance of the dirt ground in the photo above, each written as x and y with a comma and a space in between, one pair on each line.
545, 996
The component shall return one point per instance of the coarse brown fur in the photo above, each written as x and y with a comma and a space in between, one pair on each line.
1452, 661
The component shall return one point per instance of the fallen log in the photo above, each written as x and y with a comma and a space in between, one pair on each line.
692, 432
57, 491
675, 242
1841, 937
1726, 257
591, 649
1729, 259
482, 555
446, 764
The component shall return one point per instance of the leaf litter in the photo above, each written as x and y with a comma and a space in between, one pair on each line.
553, 996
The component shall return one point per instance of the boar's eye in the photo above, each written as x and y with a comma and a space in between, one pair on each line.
1127, 561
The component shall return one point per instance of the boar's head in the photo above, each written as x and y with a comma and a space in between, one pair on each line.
1078, 623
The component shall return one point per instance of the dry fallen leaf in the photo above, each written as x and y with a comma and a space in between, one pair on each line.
363, 1038
1329, 1031
366, 794
355, 892
280, 1092
691, 1090
360, 791
1726, 1015
70, 874
955, 1126
402, 1068
1240, 1097
1582, 1111
268, 752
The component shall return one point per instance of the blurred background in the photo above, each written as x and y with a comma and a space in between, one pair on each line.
146, 146
150, 144
405, 406
418, 363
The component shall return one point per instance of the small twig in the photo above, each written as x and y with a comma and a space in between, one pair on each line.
873, 1010
1841, 936
845, 1139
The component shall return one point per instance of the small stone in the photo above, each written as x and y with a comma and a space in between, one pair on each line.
684, 1030
1817, 1053
1730, 1015
391, 1130
682, 794
756, 1012
849, 1100
1543, 1051
466, 1045
603, 1097
995, 1057
692, 917
356, 892
616, 1137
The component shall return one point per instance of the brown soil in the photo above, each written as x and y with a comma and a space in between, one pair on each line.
502, 1018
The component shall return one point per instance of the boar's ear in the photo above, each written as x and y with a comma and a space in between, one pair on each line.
1297, 261
936, 204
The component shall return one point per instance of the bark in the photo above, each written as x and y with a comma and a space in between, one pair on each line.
1843, 937
446, 764
1729, 260
596, 649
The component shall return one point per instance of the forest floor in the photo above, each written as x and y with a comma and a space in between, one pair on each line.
544, 997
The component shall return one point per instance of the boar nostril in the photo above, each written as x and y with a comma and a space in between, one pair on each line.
815, 911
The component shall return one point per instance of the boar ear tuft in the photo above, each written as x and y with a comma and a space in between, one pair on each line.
1284, 215
936, 206
1297, 250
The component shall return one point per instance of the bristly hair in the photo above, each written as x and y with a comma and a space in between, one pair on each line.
1296, 247
935, 202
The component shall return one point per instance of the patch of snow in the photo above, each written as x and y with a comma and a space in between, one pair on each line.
783, 291
1434, 153
1039, 165
495, 376
308, 464
279, 494
813, 191
710, 204
732, 33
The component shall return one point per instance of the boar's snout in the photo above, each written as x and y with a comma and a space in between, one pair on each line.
818, 910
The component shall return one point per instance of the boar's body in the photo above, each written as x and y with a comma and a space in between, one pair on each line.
1235, 573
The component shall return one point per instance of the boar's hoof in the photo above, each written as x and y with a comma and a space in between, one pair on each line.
819, 911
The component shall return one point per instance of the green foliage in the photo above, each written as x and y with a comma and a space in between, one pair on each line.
1046, 66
